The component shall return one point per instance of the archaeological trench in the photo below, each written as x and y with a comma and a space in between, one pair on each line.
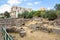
32, 29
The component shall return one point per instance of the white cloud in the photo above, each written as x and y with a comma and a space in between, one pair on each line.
4, 8
7, 7
36, 2
27, 0
30, 4
48, 8
12, 2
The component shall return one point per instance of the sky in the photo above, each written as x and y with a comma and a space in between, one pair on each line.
5, 5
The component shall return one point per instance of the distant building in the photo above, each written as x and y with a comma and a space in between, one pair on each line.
42, 9
13, 14
15, 10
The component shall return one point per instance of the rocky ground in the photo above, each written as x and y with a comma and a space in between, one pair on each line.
36, 29
38, 34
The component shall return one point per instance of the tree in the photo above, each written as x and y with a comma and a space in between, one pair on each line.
30, 14
25, 14
51, 15
57, 6
43, 14
7, 14
1, 15
58, 13
37, 13
19, 15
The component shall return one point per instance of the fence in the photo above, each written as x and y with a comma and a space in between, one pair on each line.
6, 35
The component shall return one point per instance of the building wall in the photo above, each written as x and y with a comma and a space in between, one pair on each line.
42, 9
13, 14
15, 10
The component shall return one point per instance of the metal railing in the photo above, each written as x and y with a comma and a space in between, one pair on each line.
6, 35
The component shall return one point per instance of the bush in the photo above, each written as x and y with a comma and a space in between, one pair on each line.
43, 14
7, 14
37, 13
19, 15
51, 15
26, 14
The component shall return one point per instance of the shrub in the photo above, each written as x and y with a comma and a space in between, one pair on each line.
51, 15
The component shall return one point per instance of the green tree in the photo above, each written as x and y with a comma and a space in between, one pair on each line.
7, 14
30, 14
1, 15
25, 14
57, 6
58, 13
19, 15
43, 14
51, 15
37, 13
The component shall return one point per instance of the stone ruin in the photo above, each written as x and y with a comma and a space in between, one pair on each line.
40, 26
18, 22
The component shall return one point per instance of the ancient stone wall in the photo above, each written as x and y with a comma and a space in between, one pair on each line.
9, 22
12, 22
38, 23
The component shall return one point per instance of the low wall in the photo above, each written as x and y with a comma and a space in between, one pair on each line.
9, 22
